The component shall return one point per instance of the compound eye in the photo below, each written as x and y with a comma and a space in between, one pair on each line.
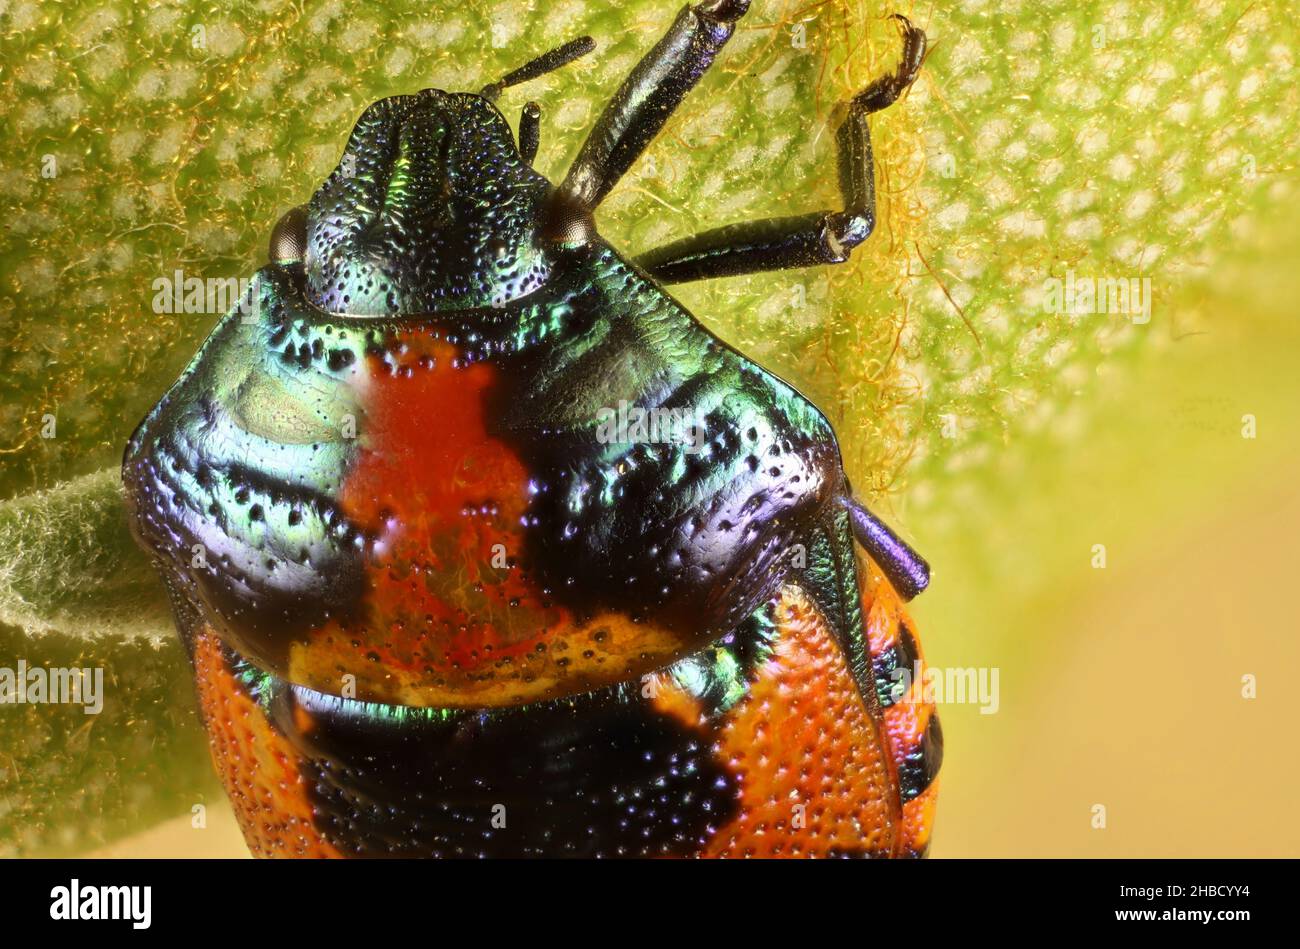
289, 238
566, 224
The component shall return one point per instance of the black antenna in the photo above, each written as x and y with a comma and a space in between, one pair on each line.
547, 62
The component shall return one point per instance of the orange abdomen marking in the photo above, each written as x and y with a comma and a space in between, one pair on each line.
911, 724
821, 769
814, 776
257, 765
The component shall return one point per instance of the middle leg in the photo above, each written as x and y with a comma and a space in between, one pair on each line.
823, 237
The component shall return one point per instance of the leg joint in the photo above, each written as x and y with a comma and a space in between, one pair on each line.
722, 11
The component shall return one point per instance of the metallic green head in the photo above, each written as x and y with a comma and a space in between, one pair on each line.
431, 208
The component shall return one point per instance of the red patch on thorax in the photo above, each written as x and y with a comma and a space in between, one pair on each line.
446, 497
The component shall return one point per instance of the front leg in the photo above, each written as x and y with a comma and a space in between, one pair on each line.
825, 237
642, 105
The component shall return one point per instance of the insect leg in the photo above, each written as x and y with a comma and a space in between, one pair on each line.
645, 100
530, 131
824, 237
905, 568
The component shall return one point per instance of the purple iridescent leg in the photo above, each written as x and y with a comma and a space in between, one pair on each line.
905, 568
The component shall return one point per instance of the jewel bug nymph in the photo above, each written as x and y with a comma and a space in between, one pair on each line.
446, 592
